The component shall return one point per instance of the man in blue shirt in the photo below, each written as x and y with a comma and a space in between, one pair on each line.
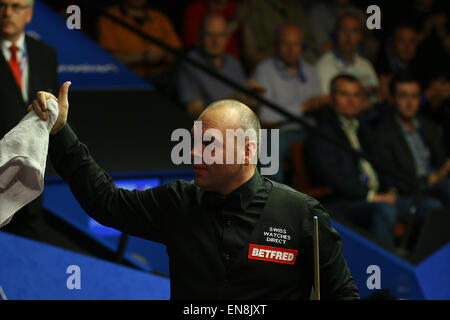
196, 88
293, 84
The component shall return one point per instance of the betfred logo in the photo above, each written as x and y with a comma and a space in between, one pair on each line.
272, 254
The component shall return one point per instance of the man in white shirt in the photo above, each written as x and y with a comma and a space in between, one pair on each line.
293, 84
26, 67
344, 58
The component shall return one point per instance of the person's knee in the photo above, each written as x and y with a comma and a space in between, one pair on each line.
384, 211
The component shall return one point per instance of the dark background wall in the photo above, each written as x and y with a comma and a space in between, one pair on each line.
126, 131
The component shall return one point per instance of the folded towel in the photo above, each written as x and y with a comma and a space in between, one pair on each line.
23, 154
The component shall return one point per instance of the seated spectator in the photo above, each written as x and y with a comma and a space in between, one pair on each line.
360, 193
290, 82
260, 29
143, 57
344, 58
322, 20
398, 56
196, 88
403, 55
413, 147
234, 14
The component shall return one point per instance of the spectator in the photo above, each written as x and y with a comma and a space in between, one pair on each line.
322, 20
143, 57
234, 14
196, 88
360, 193
345, 59
413, 147
290, 82
265, 18
26, 67
399, 56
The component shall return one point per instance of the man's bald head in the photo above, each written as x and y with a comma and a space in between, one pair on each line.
289, 44
288, 30
233, 115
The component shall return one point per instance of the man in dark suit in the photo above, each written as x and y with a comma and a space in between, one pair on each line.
413, 146
360, 193
26, 67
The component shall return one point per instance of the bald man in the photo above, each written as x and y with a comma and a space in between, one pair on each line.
293, 84
196, 88
230, 234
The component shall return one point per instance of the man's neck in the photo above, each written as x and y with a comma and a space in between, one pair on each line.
12, 38
348, 57
247, 175
217, 61
292, 69
408, 123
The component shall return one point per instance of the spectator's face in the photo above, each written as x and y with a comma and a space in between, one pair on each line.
349, 35
14, 16
347, 98
290, 45
407, 99
213, 177
405, 44
215, 37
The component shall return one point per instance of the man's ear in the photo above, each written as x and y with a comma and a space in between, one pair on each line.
30, 15
250, 152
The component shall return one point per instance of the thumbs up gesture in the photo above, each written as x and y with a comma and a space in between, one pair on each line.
39, 105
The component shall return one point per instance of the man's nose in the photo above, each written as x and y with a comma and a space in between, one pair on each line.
196, 155
8, 11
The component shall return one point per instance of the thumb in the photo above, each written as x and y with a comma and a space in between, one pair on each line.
64, 92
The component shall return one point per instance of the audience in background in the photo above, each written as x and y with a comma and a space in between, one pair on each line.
196, 88
322, 19
260, 29
143, 57
360, 193
413, 147
293, 84
344, 58
233, 12
398, 56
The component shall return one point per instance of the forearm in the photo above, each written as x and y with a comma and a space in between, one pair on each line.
95, 190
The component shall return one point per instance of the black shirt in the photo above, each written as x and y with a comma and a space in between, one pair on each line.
254, 243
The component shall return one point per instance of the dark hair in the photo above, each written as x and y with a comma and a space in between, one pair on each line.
401, 77
341, 76
344, 16
403, 25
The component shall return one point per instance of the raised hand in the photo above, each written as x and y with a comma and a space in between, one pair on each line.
39, 105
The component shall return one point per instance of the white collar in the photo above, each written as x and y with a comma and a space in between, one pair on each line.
20, 44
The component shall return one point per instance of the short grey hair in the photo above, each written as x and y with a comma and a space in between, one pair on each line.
247, 118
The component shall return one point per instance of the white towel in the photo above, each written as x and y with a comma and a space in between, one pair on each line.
23, 154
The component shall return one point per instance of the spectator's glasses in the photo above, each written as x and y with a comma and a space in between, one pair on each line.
15, 7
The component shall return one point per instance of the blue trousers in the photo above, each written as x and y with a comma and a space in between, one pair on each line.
380, 218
